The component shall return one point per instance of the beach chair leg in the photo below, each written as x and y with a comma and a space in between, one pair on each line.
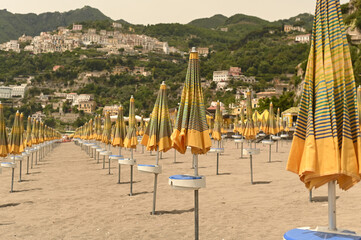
118, 173
12, 180
131, 180
154, 193
21, 166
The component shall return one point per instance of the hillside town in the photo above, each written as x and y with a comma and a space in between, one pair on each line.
110, 42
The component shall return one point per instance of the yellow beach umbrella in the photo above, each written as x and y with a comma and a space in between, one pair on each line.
157, 136
271, 127
4, 145
29, 141
141, 126
236, 125
15, 144
218, 120
34, 137
131, 140
118, 140
249, 130
243, 121
99, 128
22, 133
106, 137
326, 145
191, 127
359, 105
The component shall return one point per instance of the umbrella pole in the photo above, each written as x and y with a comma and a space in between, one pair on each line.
27, 164
12, 176
250, 162
217, 159
36, 157
310, 195
196, 203
120, 150
32, 158
277, 146
118, 173
241, 149
21, 166
109, 165
103, 161
155, 184
332, 206
270, 152
131, 174
175, 156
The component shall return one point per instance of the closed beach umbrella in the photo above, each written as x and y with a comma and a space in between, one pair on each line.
191, 126
255, 118
157, 136
4, 145
119, 136
107, 129
22, 134
141, 126
249, 132
236, 125
34, 138
271, 127
91, 129
243, 121
359, 105
99, 128
131, 140
29, 141
218, 120
15, 138
327, 145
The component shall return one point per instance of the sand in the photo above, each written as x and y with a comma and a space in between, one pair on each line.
69, 196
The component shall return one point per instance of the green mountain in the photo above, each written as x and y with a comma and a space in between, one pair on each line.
212, 22
13, 25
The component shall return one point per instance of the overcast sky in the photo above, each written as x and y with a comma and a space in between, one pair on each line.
169, 11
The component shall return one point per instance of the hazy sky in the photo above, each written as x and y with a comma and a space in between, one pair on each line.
169, 11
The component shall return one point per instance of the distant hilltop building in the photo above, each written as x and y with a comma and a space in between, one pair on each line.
290, 28
203, 51
117, 25
306, 38
13, 91
77, 27
221, 78
224, 29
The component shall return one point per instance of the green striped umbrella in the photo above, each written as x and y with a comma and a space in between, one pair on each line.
249, 129
327, 144
22, 132
157, 136
118, 140
15, 136
107, 129
34, 138
359, 105
191, 126
4, 146
131, 140
216, 133
271, 126
99, 128
29, 142
141, 126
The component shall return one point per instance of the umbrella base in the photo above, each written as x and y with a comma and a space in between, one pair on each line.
319, 233
216, 150
156, 169
251, 151
127, 161
187, 182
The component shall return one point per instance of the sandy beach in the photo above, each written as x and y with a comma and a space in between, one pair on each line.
69, 196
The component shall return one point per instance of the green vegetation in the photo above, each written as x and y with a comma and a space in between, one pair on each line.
212, 22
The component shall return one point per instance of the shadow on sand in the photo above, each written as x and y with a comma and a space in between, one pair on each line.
174, 211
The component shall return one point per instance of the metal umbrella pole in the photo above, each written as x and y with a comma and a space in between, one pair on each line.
218, 158
242, 149
155, 184
250, 162
332, 206
270, 152
32, 158
27, 164
131, 174
12, 176
196, 201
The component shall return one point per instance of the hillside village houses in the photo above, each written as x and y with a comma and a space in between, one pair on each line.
305, 38
222, 78
290, 28
13, 91
67, 40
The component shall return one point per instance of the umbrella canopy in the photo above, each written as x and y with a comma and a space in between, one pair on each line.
131, 140
107, 129
15, 144
28, 140
22, 133
141, 126
359, 105
256, 120
34, 135
4, 146
327, 143
99, 128
271, 127
41, 132
119, 135
157, 136
191, 126
249, 130
236, 125
218, 120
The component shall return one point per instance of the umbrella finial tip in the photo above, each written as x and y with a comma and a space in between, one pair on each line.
194, 49
163, 82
